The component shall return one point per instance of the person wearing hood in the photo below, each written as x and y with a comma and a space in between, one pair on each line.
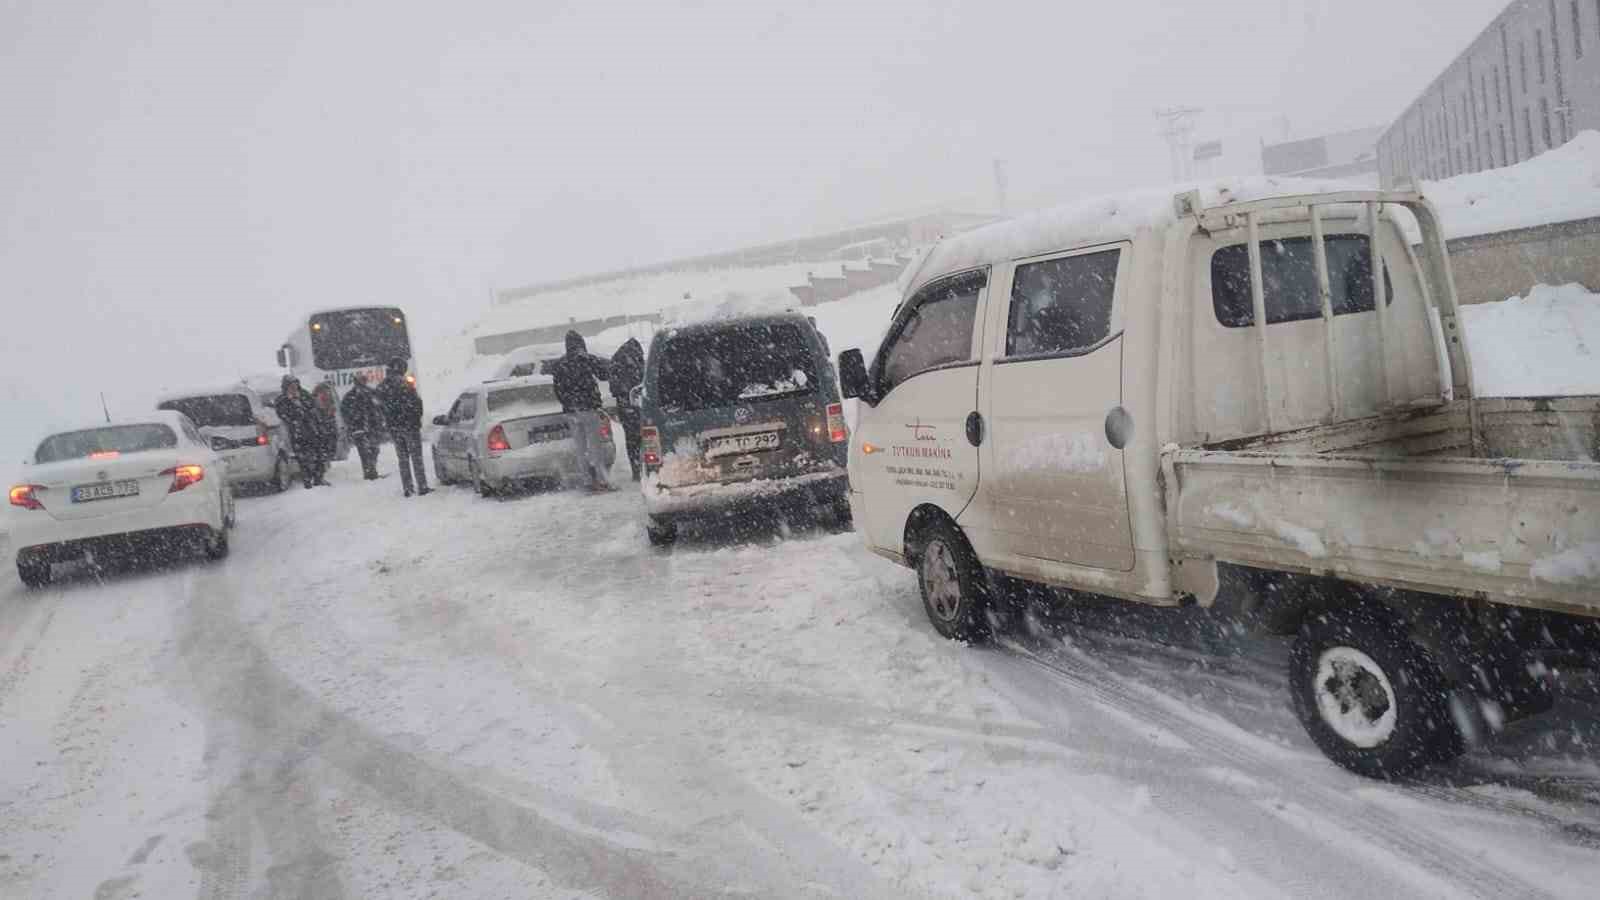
627, 373
363, 416
402, 410
577, 375
300, 416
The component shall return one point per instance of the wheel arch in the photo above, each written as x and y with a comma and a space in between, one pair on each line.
918, 523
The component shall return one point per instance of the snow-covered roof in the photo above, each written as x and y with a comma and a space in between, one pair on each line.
237, 387
495, 384
729, 305
1103, 219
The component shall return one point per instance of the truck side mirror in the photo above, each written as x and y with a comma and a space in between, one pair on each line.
285, 357
853, 376
441, 420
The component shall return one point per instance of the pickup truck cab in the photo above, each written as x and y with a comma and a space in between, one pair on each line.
1220, 394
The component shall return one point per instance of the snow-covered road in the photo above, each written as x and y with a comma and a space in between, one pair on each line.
459, 697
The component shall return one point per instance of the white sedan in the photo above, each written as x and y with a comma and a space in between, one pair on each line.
145, 488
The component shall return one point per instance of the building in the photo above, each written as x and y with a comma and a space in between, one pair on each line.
1345, 154
1529, 82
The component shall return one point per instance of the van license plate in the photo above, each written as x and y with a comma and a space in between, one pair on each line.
742, 443
85, 493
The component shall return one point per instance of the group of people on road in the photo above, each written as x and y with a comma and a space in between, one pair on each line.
393, 408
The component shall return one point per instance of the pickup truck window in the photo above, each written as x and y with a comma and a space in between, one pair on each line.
1061, 305
1289, 280
935, 330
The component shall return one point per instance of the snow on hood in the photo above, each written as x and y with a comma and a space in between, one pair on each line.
1546, 344
1556, 186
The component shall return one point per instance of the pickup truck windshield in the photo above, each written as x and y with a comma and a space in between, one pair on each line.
112, 439
705, 369
214, 410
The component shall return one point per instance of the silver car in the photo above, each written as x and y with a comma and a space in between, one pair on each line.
513, 431
245, 433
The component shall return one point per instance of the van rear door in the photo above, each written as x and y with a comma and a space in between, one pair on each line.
912, 446
1053, 485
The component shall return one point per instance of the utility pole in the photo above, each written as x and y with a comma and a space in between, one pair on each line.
1177, 124
1000, 186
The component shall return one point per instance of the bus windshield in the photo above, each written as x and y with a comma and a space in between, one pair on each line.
352, 338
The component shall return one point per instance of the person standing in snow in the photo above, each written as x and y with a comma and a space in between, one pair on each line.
300, 416
402, 410
578, 374
363, 415
627, 373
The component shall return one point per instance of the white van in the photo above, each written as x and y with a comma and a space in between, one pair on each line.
1164, 399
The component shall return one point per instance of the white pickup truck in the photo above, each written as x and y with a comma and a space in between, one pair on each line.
1173, 400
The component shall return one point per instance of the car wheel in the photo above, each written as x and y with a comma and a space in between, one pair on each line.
1370, 698
954, 591
216, 547
661, 534
34, 574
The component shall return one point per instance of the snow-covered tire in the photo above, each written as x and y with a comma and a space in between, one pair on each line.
34, 575
661, 534
216, 546
1370, 698
955, 592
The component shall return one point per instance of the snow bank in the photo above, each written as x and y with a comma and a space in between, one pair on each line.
1542, 345
1556, 186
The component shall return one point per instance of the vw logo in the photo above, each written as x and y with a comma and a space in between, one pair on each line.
742, 414
101, 475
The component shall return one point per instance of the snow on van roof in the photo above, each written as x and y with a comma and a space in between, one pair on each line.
729, 305
527, 353
237, 387
1111, 217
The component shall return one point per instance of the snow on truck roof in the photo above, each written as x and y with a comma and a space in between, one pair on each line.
1103, 219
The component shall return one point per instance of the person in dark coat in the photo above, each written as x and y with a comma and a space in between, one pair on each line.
300, 416
578, 374
402, 410
326, 401
627, 373
363, 416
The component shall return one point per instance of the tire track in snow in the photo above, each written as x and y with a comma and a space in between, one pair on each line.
1467, 873
22, 663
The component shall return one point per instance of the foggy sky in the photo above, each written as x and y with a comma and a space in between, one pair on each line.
179, 181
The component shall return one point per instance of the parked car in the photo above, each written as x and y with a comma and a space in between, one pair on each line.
147, 488
1163, 402
740, 416
511, 431
245, 433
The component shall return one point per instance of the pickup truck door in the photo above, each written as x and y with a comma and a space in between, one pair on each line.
913, 445
1053, 485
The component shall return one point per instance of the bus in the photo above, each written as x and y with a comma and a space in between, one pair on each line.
337, 346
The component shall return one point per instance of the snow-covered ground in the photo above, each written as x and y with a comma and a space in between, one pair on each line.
1556, 186
1545, 344
458, 697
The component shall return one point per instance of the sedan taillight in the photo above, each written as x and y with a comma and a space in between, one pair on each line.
605, 428
184, 475
497, 440
650, 445
263, 437
23, 495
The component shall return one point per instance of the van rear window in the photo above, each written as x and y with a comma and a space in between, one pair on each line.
736, 364
213, 410
1289, 280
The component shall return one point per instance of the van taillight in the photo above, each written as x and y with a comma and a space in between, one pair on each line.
22, 495
650, 445
837, 432
183, 476
497, 440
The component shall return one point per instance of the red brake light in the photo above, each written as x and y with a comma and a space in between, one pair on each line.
184, 475
262, 438
605, 427
837, 432
650, 445
105, 454
22, 495
497, 440
411, 379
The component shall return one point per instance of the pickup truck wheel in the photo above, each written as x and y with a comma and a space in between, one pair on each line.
661, 534
1371, 699
34, 574
954, 590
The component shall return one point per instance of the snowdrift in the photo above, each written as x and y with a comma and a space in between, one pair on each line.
1546, 344
1556, 186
